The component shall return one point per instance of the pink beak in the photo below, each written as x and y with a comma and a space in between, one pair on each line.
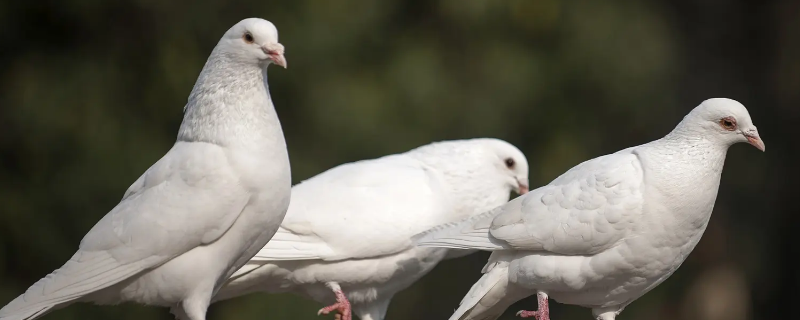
523, 187
755, 140
276, 55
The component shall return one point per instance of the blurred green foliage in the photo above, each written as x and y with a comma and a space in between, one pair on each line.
92, 92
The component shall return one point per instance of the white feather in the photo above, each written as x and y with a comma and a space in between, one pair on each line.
608, 230
353, 224
197, 214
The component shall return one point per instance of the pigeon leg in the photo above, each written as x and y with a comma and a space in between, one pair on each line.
544, 309
341, 305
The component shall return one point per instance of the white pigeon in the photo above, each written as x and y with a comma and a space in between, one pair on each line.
200, 212
608, 230
347, 235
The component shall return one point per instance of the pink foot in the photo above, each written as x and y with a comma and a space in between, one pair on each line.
341, 305
544, 309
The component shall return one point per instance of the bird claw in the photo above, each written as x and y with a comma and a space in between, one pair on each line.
536, 314
341, 305
544, 309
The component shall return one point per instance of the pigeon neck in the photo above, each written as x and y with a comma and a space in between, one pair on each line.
473, 196
230, 105
688, 159
473, 191
686, 170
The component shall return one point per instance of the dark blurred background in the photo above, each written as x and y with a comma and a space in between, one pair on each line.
92, 92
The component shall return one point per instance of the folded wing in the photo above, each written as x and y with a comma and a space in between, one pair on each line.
188, 198
586, 210
386, 200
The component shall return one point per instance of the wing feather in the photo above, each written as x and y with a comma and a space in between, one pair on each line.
190, 197
385, 200
588, 209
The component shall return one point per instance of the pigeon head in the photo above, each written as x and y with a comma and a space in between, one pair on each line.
479, 163
253, 40
724, 121
509, 163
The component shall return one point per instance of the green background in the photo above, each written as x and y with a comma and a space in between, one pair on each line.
91, 94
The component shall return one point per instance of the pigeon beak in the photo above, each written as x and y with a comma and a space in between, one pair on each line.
522, 186
754, 139
275, 54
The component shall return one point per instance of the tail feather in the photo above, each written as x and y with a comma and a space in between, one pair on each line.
492, 294
254, 277
84, 273
288, 245
470, 233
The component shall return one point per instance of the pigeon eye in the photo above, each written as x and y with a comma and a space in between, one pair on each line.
728, 123
248, 37
510, 163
